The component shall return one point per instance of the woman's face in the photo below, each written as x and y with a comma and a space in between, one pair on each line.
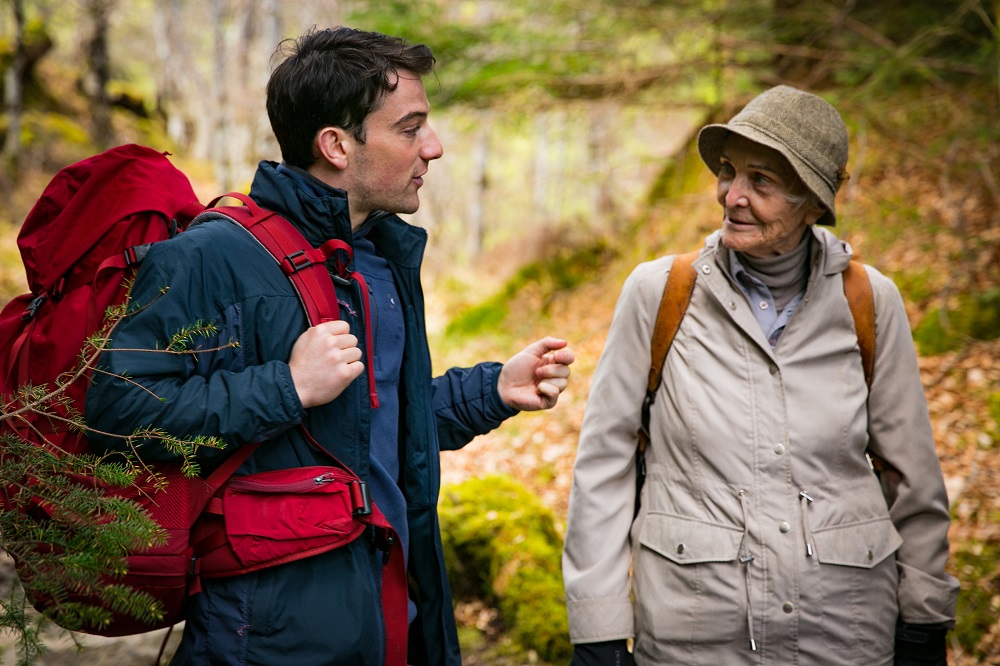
767, 207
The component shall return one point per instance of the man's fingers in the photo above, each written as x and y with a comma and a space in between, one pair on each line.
335, 327
552, 387
559, 357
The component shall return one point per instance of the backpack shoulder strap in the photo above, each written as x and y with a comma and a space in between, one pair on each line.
858, 289
303, 264
860, 299
673, 305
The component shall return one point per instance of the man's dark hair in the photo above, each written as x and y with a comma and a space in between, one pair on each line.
335, 78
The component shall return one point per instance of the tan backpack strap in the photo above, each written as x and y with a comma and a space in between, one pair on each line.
674, 303
858, 289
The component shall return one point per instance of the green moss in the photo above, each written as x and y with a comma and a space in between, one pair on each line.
487, 315
917, 285
679, 175
993, 410
562, 270
974, 316
470, 639
502, 546
977, 565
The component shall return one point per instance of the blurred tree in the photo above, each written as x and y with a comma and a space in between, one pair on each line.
95, 77
888, 41
167, 29
13, 91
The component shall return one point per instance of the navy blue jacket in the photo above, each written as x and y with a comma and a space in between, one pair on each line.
324, 609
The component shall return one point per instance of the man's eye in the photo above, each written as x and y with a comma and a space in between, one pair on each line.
726, 169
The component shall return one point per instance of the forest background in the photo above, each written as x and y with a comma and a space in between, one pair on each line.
568, 129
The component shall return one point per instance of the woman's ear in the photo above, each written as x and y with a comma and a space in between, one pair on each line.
815, 210
334, 146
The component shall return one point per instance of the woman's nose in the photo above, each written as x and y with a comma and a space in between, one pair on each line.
735, 194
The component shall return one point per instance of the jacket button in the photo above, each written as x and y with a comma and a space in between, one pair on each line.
783, 527
779, 449
680, 549
787, 607
706, 269
773, 369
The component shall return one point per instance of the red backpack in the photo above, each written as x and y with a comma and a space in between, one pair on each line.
81, 245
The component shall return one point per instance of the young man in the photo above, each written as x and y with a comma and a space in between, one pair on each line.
350, 113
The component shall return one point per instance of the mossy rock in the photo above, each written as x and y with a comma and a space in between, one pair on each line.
972, 317
502, 546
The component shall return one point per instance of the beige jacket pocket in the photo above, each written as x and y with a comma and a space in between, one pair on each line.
864, 544
688, 584
690, 541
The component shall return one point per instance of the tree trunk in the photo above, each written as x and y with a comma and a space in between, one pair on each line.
220, 106
13, 92
166, 27
477, 214
100, 73
261, 143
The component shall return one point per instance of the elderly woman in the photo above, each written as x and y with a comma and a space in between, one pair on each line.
763, 534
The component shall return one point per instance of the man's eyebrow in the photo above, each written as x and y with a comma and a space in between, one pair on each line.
412, 115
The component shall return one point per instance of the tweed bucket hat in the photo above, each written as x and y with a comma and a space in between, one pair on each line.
804, 128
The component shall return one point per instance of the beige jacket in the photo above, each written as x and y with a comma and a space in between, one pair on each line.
761, 520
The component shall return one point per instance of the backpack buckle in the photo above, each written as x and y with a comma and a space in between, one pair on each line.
32, 309
647, 404
295, 262
135, 254
361, 498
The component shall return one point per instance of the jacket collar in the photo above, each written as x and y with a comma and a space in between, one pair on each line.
830, 255
321, 213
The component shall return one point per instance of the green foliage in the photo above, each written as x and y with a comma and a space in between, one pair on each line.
70, 536
501, 545
884, 45
973, 317
561, 270
680, 175
977, 564
993, 405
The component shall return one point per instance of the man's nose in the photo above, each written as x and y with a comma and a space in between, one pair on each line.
432, 149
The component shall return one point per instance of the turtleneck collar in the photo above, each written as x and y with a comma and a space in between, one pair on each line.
785, 275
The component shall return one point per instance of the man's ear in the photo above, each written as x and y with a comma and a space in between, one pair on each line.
334, 146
